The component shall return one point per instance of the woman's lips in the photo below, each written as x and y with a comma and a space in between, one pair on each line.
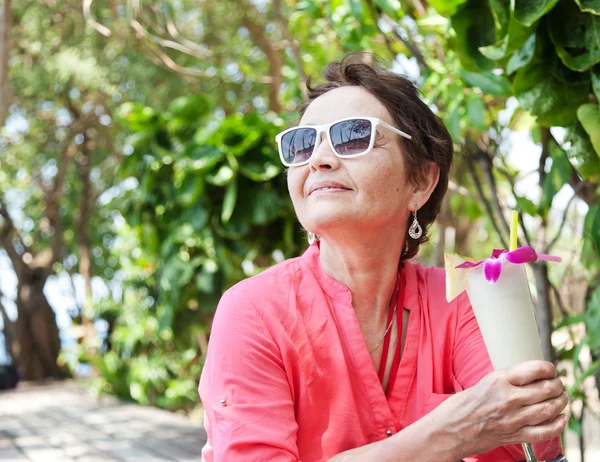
327, 187
324, 191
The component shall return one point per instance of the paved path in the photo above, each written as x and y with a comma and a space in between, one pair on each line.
63, 423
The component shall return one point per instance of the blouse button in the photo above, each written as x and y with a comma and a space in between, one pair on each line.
388, 433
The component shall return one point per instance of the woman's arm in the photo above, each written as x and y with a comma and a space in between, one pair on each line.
247, 398
426, 440
507, 407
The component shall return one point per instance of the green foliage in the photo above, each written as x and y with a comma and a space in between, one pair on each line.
529, 11
210, 202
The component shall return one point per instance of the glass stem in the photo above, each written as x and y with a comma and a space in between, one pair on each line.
529, 455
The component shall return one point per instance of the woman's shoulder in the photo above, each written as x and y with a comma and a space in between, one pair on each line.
276, 277
432, 285
267, 288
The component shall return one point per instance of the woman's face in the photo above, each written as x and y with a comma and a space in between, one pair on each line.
377, 194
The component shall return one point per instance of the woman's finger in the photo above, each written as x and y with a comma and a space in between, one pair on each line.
542, 413
540, 391
530, 371
541, 433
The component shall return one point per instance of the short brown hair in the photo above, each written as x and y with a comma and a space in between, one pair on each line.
431, 141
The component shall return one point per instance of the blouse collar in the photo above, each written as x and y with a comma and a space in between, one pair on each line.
338, 291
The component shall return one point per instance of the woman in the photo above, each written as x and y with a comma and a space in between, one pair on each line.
351, 352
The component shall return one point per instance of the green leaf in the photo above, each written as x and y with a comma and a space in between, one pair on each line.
229, 201
223, 176
490, 83
575, 425
258, 206
466, 206
452, 120
593, 313
596, 80
176, 273
552, 102
149, 235
591, 236
259, 173
502, 13
589, 6
589, 116
197, 215
475, 28
581, 152
191, 189
526, 206
576, 36
557, 177
189, 108
512, 35
203, 157
446, 7
571, 320
529, 11
476, 112
522, 57
389, 7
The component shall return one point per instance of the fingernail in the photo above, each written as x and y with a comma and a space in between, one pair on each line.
567, 395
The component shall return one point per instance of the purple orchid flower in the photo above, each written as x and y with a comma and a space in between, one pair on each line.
492, 266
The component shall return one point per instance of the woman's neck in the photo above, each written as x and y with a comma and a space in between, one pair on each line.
368, 268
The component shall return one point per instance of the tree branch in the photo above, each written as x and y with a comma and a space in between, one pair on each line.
160, 58
8, 229
377, 15
167, 43
564, 220
85, 261
173, 32
257, 32
408, 43
487, 161
87, 14
294, 46
511, 181
587, 190
5, 28
485, 201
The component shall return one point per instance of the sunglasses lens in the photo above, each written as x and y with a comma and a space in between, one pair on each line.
298, 145
351, 137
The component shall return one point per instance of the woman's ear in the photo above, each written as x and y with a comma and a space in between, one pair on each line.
425, 186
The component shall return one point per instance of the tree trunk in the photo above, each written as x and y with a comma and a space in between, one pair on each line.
543, 309
5, 23
9, 331
37, 329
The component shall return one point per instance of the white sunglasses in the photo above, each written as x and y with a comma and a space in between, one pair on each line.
349, 137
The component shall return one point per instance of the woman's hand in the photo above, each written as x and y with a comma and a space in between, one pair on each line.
516, 405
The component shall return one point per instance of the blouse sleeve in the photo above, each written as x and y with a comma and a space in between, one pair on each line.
471, 362
248, 404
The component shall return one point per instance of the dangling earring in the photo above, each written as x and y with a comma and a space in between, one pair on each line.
415, 231
311, 237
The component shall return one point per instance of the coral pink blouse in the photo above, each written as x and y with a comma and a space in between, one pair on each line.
288, 376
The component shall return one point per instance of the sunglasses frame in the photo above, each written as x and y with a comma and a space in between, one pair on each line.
375, 122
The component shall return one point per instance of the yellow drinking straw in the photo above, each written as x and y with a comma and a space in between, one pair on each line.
514, 225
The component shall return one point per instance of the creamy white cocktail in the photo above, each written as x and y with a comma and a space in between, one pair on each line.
501, 300
505, 314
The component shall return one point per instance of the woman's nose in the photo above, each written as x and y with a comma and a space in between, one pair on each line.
323, 157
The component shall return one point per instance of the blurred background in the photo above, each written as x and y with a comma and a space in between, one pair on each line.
139, 176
